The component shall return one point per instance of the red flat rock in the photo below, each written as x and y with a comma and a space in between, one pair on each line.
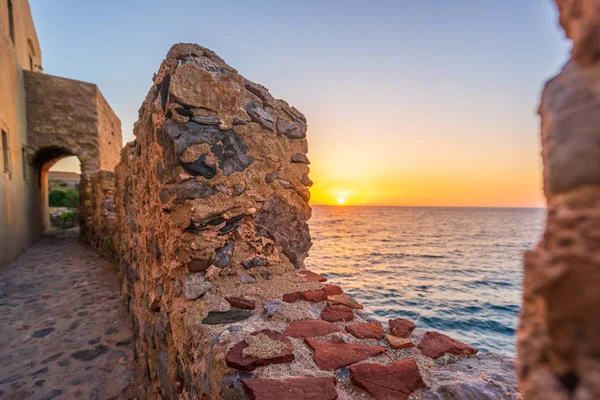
236, 359
388, 382
315, 295
310, 328
401, 327
312, 276
241, 303
345, 300
291, 389
366, 330
332, 355
435, 344
337, 313
333, 290
292, 297
399, 343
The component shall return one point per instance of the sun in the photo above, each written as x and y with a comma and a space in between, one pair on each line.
341, 201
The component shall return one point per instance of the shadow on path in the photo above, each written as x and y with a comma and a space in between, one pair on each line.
64, 330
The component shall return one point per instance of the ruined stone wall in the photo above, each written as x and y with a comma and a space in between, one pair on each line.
213, 190
558, 346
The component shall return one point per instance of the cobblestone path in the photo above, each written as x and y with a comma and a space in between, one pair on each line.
64, 330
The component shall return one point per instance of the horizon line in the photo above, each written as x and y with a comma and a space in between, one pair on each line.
421, 206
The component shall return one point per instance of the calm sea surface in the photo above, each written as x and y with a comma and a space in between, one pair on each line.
456, 270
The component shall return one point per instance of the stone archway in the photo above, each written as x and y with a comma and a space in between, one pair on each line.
65, 118
43, 161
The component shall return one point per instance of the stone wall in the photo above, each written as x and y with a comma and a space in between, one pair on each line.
98, 211
558, 346
109, 134
212, 189
211, 238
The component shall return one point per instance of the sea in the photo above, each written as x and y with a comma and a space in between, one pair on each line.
454, 270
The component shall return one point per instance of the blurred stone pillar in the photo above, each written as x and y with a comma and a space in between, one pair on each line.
559, 333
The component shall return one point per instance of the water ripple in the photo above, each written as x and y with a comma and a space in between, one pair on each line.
456, 270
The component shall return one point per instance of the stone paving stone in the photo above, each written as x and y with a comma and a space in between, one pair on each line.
65, 332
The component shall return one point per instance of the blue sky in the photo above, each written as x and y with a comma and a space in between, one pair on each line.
417, 86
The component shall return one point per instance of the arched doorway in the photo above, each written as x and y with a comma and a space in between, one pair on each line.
63, 193
44, 162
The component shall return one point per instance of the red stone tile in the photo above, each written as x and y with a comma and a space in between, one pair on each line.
401, 327
435, 344
337, 313
315, 295
292, 297
310, 328
236, 359
332, 355
306, 388
333, 290
345, 300
241, 303
366, 330
388, 382
312, 276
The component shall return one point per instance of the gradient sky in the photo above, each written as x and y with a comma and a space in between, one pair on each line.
428, 102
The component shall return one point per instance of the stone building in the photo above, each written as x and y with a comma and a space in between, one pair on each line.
44, 118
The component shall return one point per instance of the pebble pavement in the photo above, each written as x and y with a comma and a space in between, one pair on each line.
64, 330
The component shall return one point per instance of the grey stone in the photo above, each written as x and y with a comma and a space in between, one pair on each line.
196, 285
201, 167
237, 190
300, 159
260, 115
223, 256
160, 172
245, 278
237, 121
267, 275
226, 317
285, 184
231, 386
286, 225
254, 262
485, 376
201, 119
270, 177
90, 354
229, 148
293, 130
42, 332
343, 373
271, 307
187, 190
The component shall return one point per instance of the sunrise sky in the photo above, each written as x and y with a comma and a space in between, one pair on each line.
428, 102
